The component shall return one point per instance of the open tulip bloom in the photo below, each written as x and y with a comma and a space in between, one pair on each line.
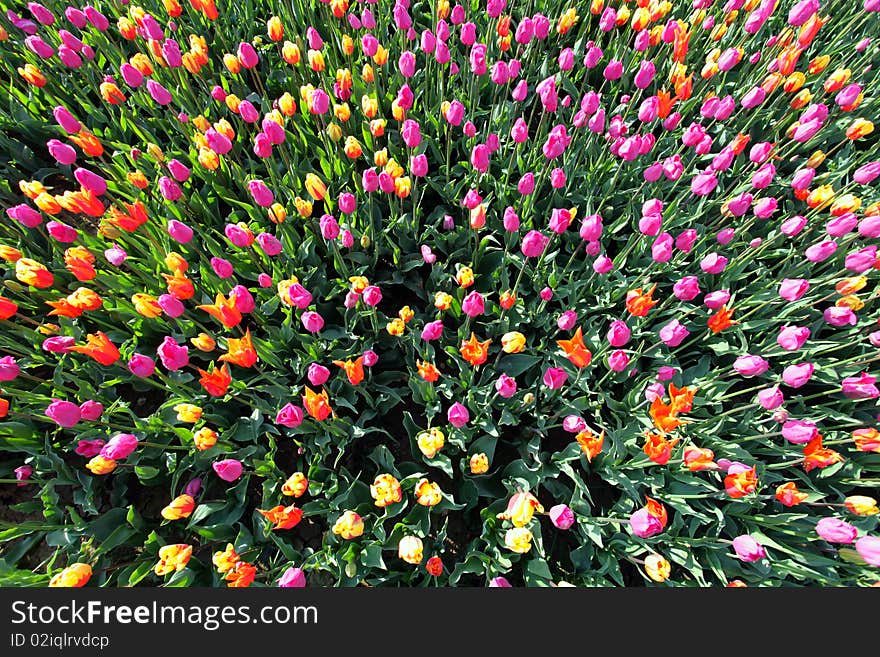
351, 292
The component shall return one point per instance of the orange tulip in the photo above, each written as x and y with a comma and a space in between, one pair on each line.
859, 128
474, 351
721, 320
354, 369
590, 444
74, 576
179, 286
575, 350
665, 103
698, 458
80, 262
31, 272
867, 439
33, 75
99, 347
789, 495
638, 303
317, 405
664, 416
88, 143
657, 510
658, 448
240, 352
740, 484
7, 308
283, 517
216, 382
181, 506
682, 398
241, 575
816, 456
427, 371
223, 310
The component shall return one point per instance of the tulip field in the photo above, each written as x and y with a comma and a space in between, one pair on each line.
505, 293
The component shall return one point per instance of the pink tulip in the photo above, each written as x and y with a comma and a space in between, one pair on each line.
644, 525
770, 398
63, 413
860, 387
505, 386
618, 360
799, 432
750, 365
534, 243
293, 578
868, 547
228, 469
792, 289
312, 321
473, 304
798, 375
561, 516
458, 415
792, 338
173, 355
619, 333
555, 377
289, 416
119, 446
748, 549
141, 366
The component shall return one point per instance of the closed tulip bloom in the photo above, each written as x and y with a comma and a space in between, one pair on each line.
673, 333
644, 524
799, 432
860, 387
173, 355
120, 446
289, 416
141, 366
868, 547
792, 289
862, 505
770, 398
180, 507
840, 316
63, 413
179, 232
821, 251
228, 469
749, 365
74, 576
792, 338
555, 377
9, 369
835, 530
748, 549
312, 321
798, 375
534, 243
458, 415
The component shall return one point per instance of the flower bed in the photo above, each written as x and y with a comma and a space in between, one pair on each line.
432, 294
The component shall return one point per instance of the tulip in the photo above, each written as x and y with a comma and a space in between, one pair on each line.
835, 530
228, 469
561, 516
555, 377
63, 413
748, 549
